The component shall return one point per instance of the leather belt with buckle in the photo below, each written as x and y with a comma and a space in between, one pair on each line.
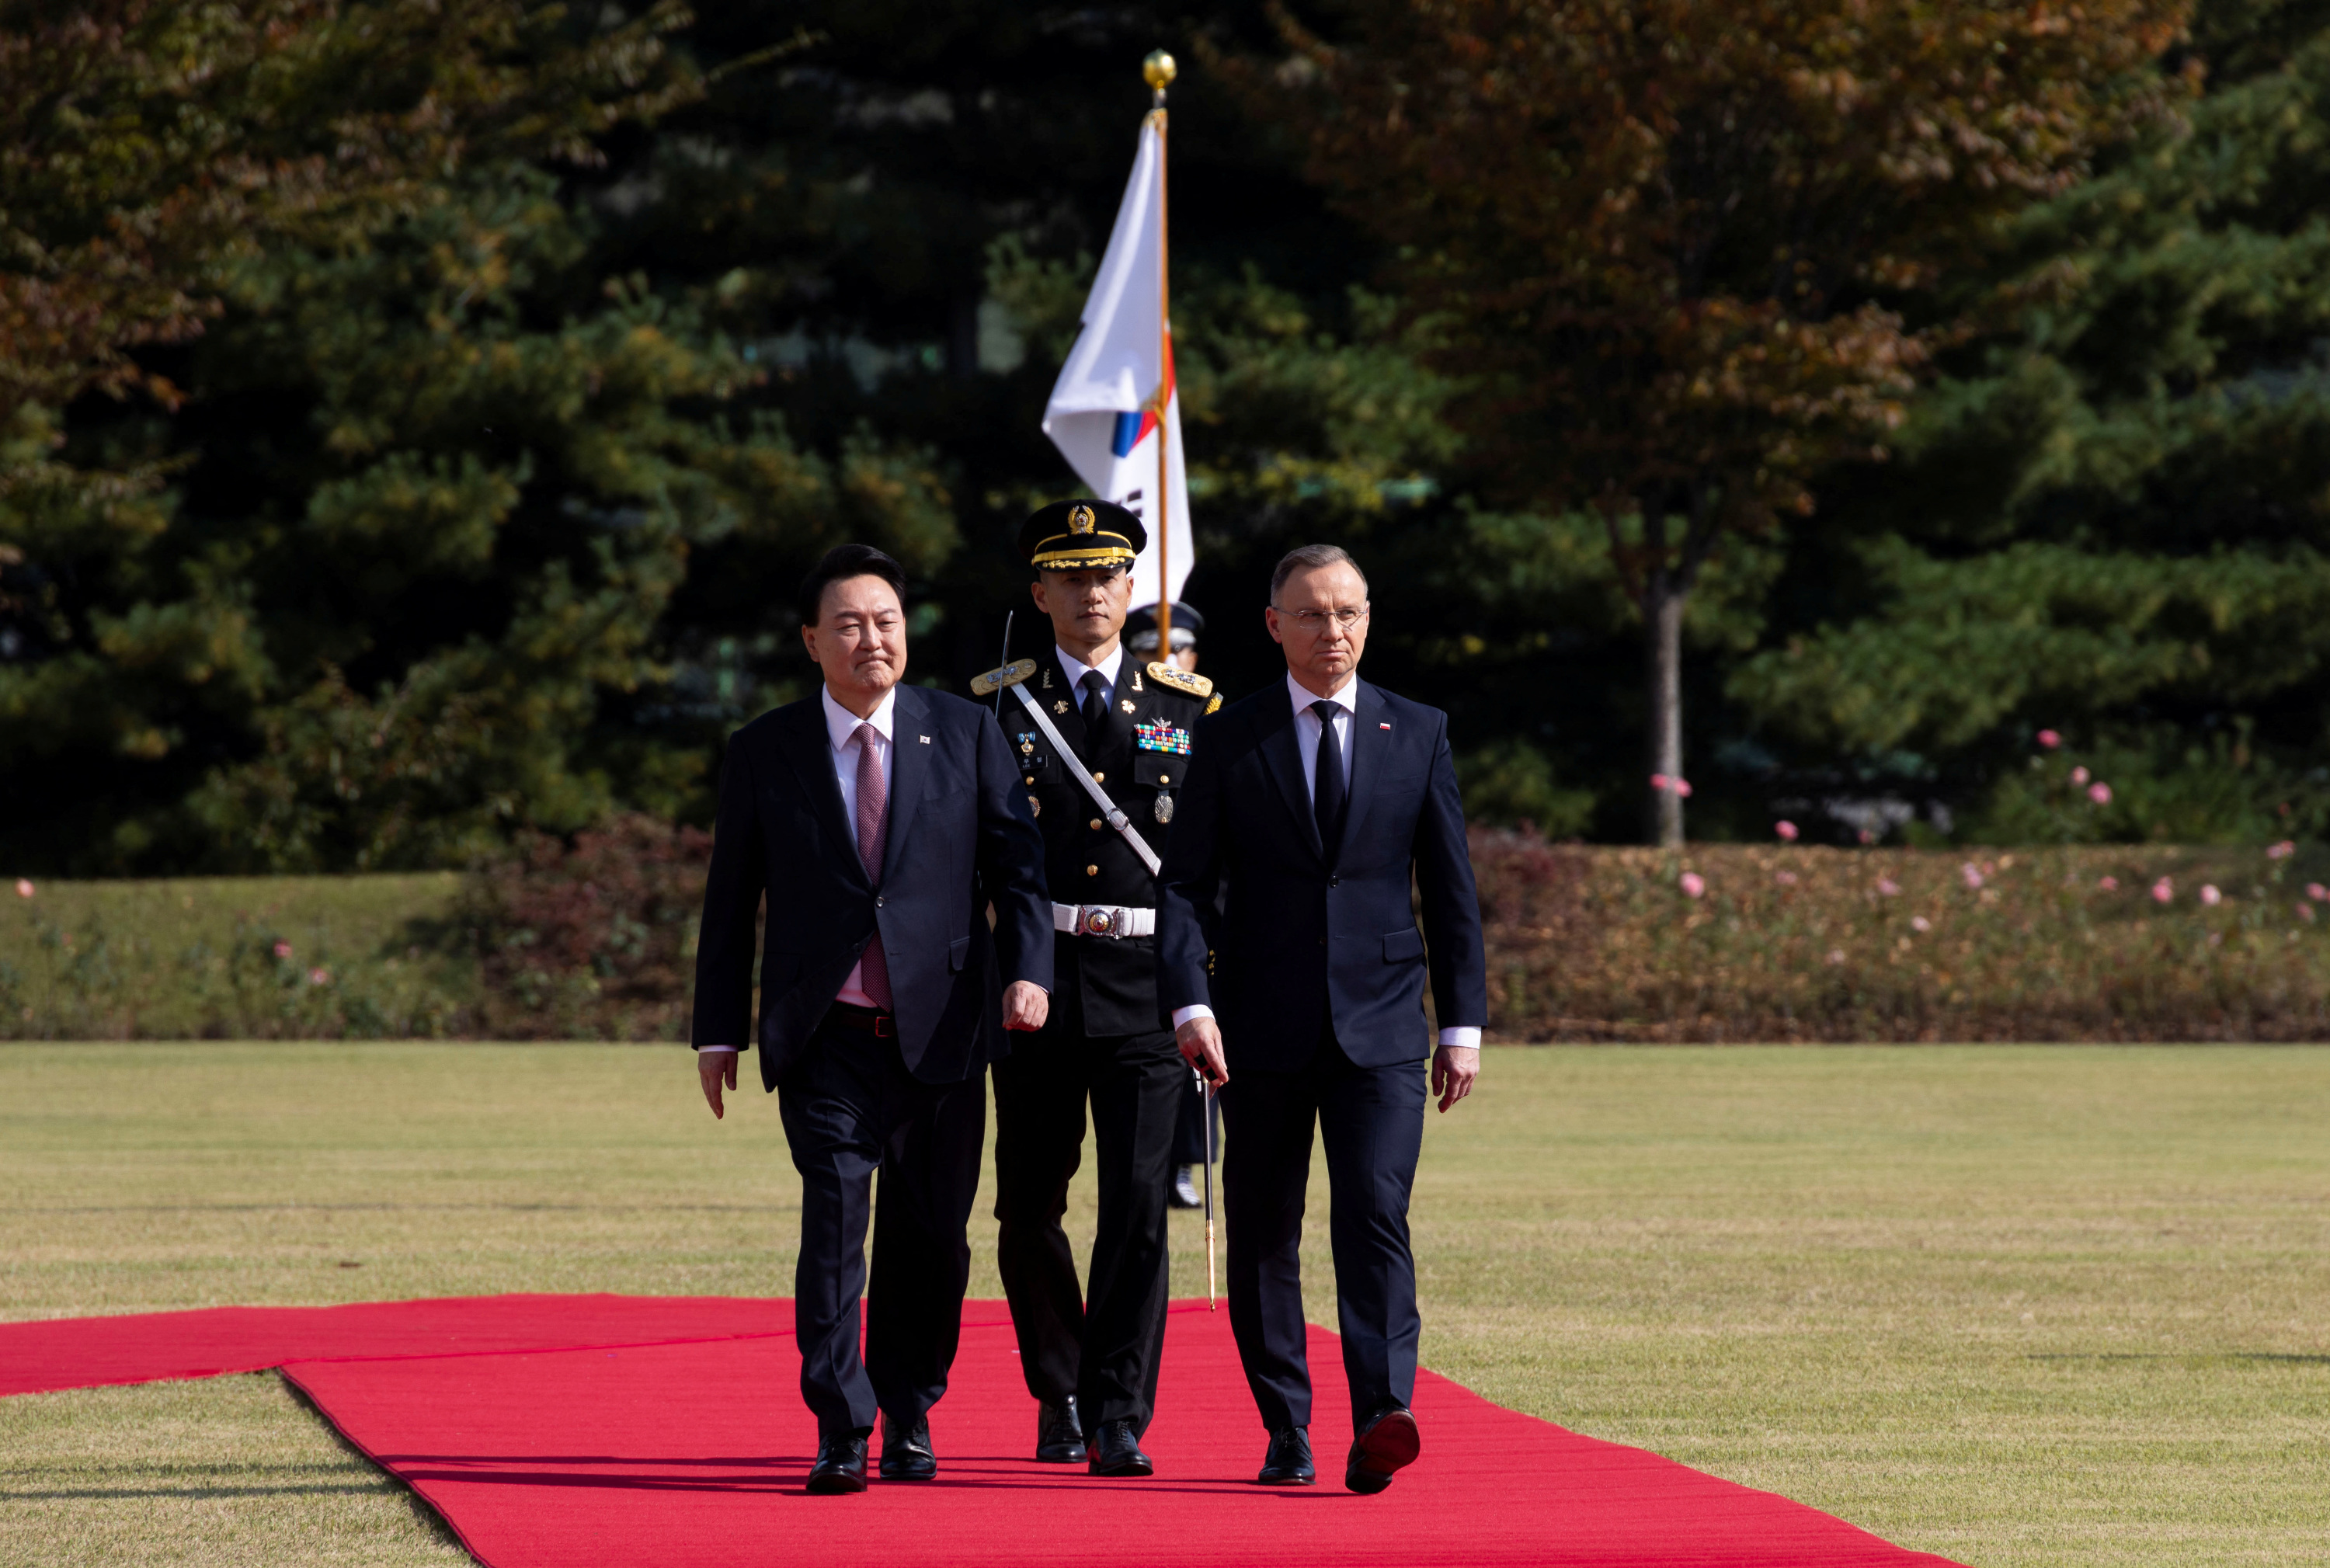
1085, 919
865, 1020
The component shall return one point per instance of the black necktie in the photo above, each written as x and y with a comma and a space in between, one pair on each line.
1096, 708
1327, 780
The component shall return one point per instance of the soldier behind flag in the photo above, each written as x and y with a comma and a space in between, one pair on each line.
1090, 1355
1189, 1141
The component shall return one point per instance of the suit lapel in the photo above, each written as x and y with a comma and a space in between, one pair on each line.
910, 767
1284, 757
809, 749
1369, 746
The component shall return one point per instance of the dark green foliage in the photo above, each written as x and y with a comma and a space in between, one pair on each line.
2113, 518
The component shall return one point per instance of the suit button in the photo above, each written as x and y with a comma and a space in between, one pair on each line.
1100, 777
1097, 825
1334, 881
878, 903
1091, 871
1031, 778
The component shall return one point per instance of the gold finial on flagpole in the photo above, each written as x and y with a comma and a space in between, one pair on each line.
1159, 71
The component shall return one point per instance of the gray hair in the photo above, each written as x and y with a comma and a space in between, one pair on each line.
1311, 558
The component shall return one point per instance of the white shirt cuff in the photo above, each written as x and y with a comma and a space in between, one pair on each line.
1463, 1037
1195, 1010
700, 1050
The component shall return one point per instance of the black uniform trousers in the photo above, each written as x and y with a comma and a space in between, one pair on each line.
849, 1108
1371, 1119
1104, 1344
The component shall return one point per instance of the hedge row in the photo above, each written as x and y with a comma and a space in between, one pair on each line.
595, 940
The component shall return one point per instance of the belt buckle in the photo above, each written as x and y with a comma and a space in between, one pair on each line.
886, 1027
1098, 922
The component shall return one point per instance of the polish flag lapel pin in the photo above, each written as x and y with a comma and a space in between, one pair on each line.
1383, 726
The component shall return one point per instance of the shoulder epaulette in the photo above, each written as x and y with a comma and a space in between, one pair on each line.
1181, 680
1214, 702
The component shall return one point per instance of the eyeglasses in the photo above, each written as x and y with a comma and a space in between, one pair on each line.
1314, 621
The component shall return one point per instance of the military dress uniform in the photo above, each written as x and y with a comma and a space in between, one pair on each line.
1106, 1044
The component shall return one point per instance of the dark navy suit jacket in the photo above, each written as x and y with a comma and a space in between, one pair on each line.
960, 835
1304, 940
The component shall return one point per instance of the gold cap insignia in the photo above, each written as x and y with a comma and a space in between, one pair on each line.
1081, 520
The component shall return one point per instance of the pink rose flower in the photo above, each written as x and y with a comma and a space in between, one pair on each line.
1868, 836
2317, 892
1970, 874
2049, 739
1784, 878
1692, 884
2162, 891
1888, 886
1682, 789
319, 977
24, 887
2079, 775
1658, 781
2282, 851
1786, 830
283, 949
1920, 923
2099, 793
2209, 895
2305, 911
2107, 883
1836, 955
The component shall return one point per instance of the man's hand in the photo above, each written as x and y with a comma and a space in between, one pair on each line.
1453, 1068
1200, 1040
715, 1068
1026, 1005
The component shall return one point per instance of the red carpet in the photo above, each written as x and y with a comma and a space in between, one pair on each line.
153, 1346
656, 1442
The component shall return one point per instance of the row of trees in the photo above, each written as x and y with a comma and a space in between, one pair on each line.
411, 417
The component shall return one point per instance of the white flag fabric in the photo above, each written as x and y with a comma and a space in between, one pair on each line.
1104, 413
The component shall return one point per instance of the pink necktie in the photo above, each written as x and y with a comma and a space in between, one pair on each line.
873, 833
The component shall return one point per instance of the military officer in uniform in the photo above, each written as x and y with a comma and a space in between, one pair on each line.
1090, 1354
1190, 1145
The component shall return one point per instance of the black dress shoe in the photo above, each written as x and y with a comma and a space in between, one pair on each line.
840, 1466
1388, 1442
1115, 1452
1059, 1433
1288, 1461
906, 1453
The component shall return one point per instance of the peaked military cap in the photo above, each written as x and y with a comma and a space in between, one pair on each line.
1080, 535
1141, 627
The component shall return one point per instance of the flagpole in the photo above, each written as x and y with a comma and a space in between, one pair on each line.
1159, 71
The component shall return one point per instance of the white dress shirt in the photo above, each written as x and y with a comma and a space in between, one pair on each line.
1307, 730
1076, 670
841, 729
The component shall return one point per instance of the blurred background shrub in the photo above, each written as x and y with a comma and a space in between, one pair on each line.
1724, 942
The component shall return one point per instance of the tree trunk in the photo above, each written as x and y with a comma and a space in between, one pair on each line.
1662, 605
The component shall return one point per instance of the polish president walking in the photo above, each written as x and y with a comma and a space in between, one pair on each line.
880, 819
1310, 806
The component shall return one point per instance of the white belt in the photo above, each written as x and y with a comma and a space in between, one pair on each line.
1088, 919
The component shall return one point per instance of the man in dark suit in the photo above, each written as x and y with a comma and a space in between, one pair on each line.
1090, 1355
1309, 807
881, 820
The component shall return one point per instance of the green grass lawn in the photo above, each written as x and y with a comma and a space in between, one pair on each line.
2043, 1305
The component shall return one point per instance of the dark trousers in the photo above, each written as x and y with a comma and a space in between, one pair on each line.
1372, 1121
849, 1108
1104, 1344
1189, 1127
